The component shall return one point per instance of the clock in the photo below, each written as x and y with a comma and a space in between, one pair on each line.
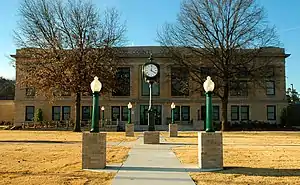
150, 70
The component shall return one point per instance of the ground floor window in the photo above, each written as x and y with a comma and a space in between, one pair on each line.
119, 113
55, 113
271, 112
244, 112
29, 113
86, 113
144, 114
235, 112
215, 115
66, 112
185, 113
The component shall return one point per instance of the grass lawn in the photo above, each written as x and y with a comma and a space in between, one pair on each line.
249, 157
53, 158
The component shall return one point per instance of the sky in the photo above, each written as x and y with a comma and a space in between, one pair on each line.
144, 17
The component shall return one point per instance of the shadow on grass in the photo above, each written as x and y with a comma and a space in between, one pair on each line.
39, 141
269, 172
182, 144
186, 137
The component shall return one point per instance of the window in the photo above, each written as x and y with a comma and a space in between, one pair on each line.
56, 113
185, 113
271, 112
124, 116
179, 82
244, 112
216, 113
122, 82
115, 113
235, 112
270, 88
86, 113
66, 112
203, 112
239, 88
177, 113
30, 91
198, 114
29, 113
145, 88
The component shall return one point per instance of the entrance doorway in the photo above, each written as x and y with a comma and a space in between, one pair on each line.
144, 114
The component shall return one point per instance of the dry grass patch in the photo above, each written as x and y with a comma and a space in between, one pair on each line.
252, 158
58, 136
50, 162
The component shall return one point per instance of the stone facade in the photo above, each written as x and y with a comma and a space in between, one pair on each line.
173, 130
93, 150
151, 137
210, 150
129, 130
7, 112
257, 100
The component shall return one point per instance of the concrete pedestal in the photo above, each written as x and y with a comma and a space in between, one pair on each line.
173, 130
93, 150
129, 130
210, 151
151, 137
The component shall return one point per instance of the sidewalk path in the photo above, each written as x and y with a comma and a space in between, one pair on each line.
152, 165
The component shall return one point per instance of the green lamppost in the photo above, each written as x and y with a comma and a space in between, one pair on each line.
102, 110
96, 88
209, 86
172, 112
129, 112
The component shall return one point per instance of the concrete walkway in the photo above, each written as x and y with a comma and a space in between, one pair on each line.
152, 165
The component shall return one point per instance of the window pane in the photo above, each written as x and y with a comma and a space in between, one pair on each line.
124, 113
29, 113
123, 82
179, 82
30, 91
177, 113
244, 112
143, 115
234, 112
185, 113
115, 113
86, 113
270, 88
66, 112
203, 112
56, 113
271, 112
216, 112
145, 88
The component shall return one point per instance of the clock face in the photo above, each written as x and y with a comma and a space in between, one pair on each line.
150, 70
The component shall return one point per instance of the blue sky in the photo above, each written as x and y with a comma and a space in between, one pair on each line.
144, 17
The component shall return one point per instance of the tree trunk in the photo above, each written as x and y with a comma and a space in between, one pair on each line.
225, 125
77, 113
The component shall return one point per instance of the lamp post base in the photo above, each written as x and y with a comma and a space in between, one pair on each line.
173, 130
210, 150
129, 130
151, 137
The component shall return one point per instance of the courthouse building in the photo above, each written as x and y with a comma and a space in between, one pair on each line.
264, 104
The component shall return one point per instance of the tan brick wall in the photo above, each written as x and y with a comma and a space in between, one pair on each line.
257, 98
7, 110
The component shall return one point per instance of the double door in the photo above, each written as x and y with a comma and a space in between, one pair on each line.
157, 109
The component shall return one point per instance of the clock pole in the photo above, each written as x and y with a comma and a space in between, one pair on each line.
151, 121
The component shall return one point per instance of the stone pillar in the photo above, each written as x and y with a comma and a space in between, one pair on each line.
210, 151
173, 130
93, 150
129, 129
151, 137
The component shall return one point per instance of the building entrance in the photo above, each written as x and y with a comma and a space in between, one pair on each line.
157, 109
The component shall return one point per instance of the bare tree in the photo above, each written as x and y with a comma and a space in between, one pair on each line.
228, 36
66, 44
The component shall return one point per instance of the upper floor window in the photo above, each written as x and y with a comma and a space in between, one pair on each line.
179, 82
270, 88
239, 88
30, 91
146, 90
122, 87
29, 113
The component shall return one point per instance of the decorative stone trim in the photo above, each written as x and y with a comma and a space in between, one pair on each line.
151, 137
210, 150
93, 150
173, 130
129, 130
